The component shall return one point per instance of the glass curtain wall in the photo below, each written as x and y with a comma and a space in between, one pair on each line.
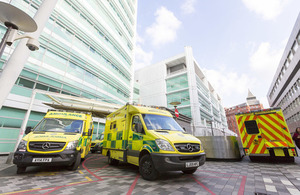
86, 50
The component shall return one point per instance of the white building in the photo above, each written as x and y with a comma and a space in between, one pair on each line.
180, 79
284, 91
86, 50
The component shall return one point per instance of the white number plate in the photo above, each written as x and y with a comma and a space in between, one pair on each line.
192, 164
42, 160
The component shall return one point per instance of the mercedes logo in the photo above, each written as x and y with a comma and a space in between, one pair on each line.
46, 145
189, 147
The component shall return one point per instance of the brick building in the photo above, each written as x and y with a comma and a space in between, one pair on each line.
251, 104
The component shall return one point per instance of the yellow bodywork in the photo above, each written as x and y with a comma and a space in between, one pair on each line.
124, 144
84, 140
265, 133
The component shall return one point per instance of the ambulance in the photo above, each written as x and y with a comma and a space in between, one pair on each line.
97, 144
150, 138
265, 134
60, 138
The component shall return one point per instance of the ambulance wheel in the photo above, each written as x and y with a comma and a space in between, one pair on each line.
112, 161
75, 165
190, 171
255, 158
147, 169
21, 170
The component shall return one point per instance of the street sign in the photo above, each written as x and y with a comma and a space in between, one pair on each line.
176, 113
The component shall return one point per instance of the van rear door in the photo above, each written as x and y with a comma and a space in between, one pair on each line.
255, 141
276, 133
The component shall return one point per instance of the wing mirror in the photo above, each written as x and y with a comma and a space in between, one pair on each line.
89, 133
28, 130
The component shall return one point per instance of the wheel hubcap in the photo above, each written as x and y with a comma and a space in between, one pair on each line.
147, 167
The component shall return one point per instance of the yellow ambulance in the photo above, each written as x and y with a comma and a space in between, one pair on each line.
264, 133
60, 138
97, 144
151, 139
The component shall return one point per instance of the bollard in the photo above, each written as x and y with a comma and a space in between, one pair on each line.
10, 158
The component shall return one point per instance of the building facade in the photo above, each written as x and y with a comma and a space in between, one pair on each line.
86, 50
179, 80
250, 105
284, 91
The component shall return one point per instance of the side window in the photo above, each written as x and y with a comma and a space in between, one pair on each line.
251, 127
113, 125
101, 137
137, 125
92, 128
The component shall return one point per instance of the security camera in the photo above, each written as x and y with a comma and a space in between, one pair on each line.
32, 44
12, 37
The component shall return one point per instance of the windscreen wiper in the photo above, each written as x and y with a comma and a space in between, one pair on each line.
162, 129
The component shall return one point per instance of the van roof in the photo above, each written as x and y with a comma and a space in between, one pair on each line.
260, 111
142, 109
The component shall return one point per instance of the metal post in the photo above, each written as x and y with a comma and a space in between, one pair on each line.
3, 42
98, 127
21, 53
25, 121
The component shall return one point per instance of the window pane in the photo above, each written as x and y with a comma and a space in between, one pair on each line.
26, 83
251, 127
42, 87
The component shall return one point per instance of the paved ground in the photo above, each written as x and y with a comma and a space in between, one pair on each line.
95, 176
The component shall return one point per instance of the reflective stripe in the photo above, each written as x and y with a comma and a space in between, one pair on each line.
273, 132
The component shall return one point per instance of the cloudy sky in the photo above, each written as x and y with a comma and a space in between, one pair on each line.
238, 43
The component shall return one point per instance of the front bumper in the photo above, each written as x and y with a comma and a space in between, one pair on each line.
96, 148
64, 158
175, 162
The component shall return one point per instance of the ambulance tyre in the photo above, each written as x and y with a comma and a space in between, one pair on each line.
112, 161
21, 170
190, 171
75, 165
147, 169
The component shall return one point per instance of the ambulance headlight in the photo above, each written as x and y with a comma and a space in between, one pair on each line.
164, 145
201, 146
22, 146
72, 145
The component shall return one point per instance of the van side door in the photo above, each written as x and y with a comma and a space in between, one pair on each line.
135, 139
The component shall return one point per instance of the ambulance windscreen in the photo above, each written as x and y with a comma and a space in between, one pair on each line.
59, 125
158, 122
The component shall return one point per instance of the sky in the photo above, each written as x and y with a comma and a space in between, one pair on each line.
237, 43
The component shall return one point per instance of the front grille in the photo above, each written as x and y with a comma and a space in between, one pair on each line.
185, 158
187, 147
46, 146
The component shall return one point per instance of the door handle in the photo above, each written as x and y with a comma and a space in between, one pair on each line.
130, 136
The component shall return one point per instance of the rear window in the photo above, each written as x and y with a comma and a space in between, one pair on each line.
251, 127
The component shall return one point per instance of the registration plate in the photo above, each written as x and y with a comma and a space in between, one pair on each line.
42, 160
192, 164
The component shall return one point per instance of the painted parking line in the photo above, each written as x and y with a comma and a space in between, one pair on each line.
21, 191
203, 186
95, 174
133, 185
242, 177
